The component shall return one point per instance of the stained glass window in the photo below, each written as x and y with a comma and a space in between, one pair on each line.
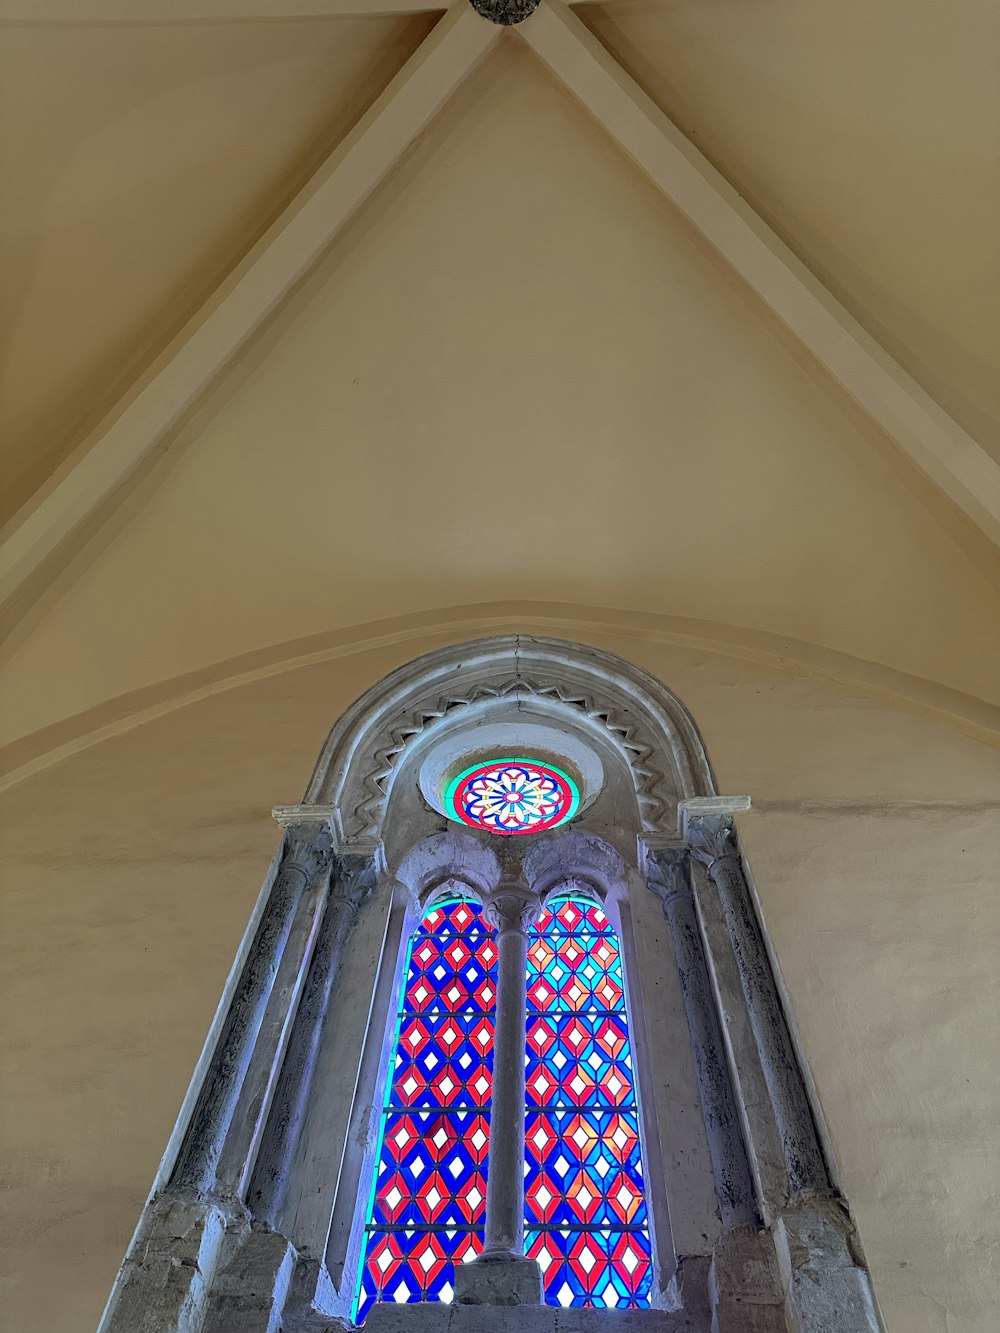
512, 796
585, 1209
586, 1220
429, 1193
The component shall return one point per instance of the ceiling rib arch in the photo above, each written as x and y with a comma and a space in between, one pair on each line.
48, 532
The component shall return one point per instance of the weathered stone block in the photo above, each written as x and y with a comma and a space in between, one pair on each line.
432, 1317
688, 1289
828, 1290
626, 1321
504, 1281
250, 1291
435, 1318
180, 1251
745, 1285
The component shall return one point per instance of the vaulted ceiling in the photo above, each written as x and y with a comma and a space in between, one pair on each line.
142, 161
541, 353
866, 135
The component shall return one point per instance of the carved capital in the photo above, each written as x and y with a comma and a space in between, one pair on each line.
308, 850
353, 879
667, 874
511, 908
505, 12
712, 838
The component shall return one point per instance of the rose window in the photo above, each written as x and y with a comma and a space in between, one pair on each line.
512, 796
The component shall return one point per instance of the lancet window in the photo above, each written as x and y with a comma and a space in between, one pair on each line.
429, 1192
586, 1218
585, 1214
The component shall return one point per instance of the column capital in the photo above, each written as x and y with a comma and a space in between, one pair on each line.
308, 842
712, 840
706, 824
353, 879
667, 873
512, 908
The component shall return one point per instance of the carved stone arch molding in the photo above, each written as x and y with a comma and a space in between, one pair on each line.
254, 1223
646, 723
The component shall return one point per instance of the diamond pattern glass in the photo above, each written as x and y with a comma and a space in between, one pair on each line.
428, 1200
585, 1210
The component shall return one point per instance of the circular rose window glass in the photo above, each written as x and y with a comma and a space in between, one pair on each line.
512, 796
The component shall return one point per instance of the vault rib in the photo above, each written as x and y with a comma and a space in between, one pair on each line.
47, 532
40, 538
931, 439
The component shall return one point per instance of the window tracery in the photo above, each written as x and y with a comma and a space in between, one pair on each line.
512, 796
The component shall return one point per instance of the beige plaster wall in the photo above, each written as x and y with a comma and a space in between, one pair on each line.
130, 870
518, 375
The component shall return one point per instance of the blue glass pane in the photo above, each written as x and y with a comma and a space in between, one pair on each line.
429, 1193
584, 1168
577, 1059
585, 1208
432, 1169
444, 1060
407, 1266
608, 1269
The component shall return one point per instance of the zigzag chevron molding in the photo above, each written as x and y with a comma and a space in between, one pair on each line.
627, 736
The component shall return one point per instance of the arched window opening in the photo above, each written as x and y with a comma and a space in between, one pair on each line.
511, 1165
428, 1194
586, 1218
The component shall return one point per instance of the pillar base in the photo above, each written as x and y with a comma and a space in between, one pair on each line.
167, 1276
250, 1290
828, 1288
744, 1284
500, 1279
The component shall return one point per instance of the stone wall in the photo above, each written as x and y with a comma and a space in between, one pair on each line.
131, 869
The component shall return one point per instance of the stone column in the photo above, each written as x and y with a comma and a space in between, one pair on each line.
352, 880
826, 1285
308, 853
744, 1285
502, 1275
668, 877
172, 1266
712, 839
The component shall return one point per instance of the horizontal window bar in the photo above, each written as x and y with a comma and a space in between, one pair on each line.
439, 1110
608, 1108
436, 936
596, 1229
475, 1229
531, 1013
461, 1228
579, 1013
446, 1013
